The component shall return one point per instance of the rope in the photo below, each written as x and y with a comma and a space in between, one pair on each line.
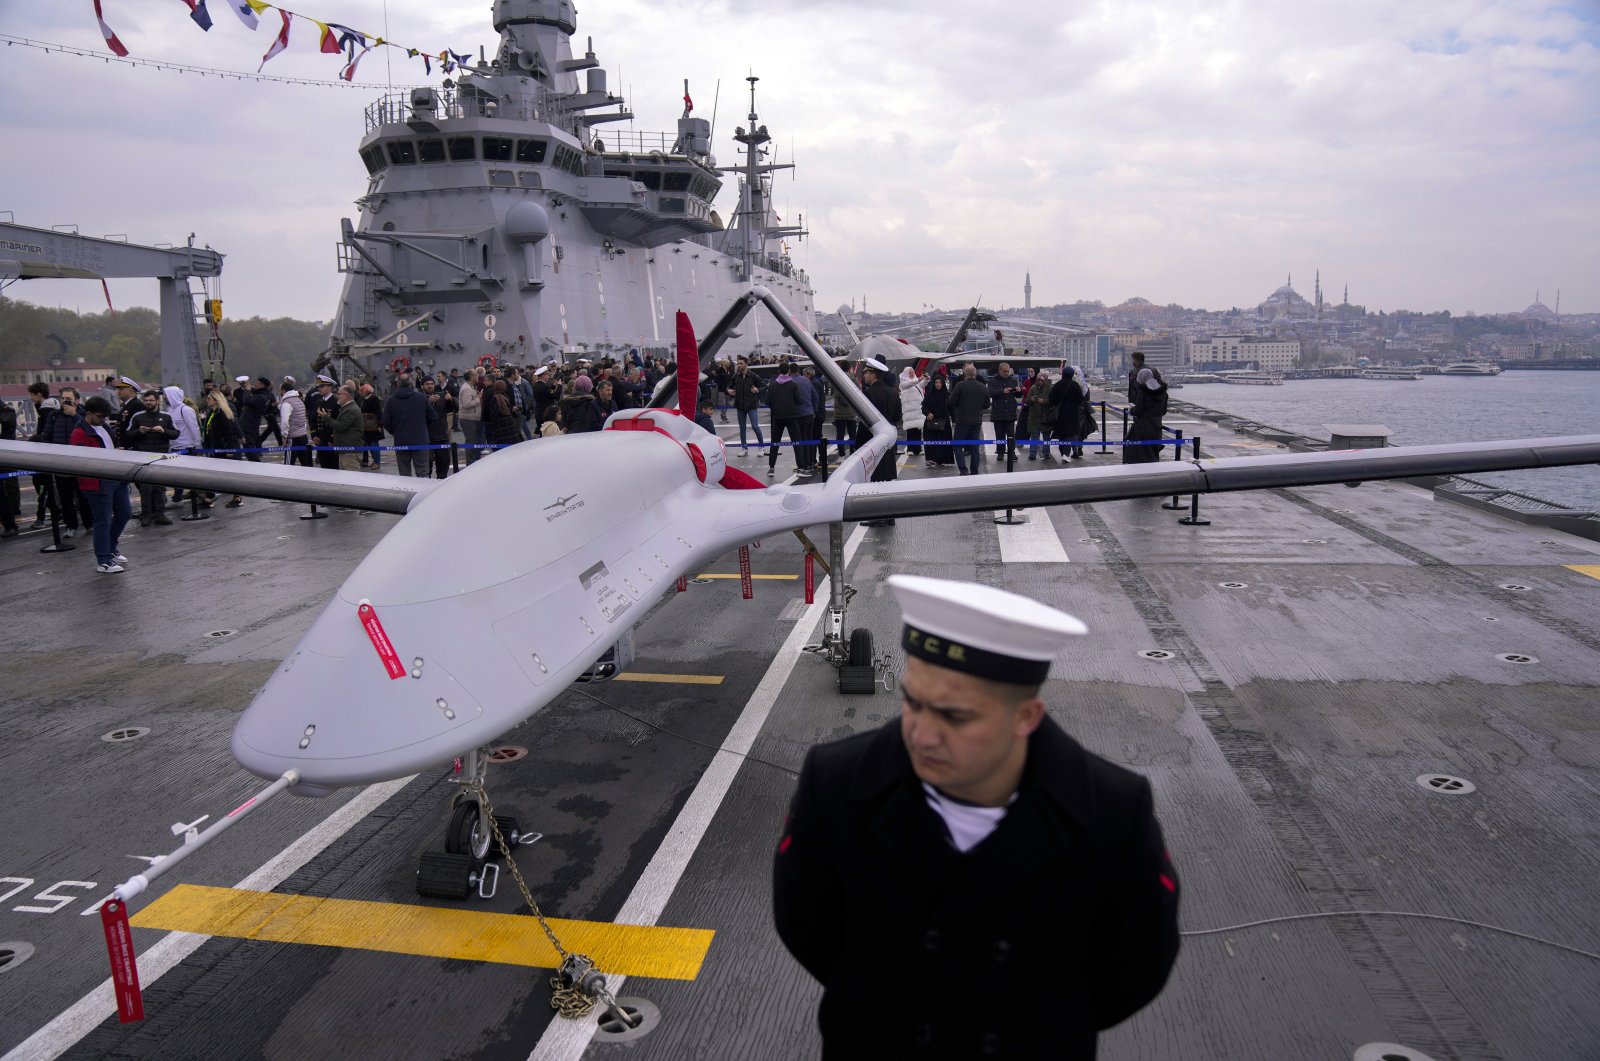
1394, 913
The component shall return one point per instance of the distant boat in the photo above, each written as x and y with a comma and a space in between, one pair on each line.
1390, 373
1470, 368
1252, 379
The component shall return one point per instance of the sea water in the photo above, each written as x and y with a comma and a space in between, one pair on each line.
1434, 409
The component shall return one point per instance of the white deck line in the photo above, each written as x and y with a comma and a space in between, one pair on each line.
1033, 542
83, 1016
566, 1040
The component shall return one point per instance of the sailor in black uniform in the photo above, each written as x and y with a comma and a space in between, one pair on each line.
969, 881
885, 397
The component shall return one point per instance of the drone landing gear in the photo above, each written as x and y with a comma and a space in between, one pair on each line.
861, 671
469, 861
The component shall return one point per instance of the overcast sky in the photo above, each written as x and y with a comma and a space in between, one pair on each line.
1433, 154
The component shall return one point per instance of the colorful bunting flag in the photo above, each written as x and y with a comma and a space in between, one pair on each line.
350, 70
198, 12
348, 40
326, 40
246, 12
280, 42
105, 31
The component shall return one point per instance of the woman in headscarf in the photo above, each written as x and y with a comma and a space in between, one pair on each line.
936, 424
1040, 416
500, 417
1149, 406
1067, 398
219, 433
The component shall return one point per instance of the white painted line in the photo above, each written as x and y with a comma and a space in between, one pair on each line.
1033, 542
83, 1016
566, 1040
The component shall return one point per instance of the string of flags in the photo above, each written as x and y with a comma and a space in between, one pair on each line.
332, 37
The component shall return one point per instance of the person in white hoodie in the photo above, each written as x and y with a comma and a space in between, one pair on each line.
187, 421
912, 419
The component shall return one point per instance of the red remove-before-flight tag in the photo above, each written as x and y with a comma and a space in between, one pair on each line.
124, 969
746, 586
380, 641
683, 583
811, 579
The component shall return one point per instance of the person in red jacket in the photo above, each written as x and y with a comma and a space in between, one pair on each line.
108, 498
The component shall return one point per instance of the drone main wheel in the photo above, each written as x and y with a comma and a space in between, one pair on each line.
860, 647
465, 836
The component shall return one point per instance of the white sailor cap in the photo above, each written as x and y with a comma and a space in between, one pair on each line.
541, 370
873, 362
979, 630
128, 381
325, 379
241, 379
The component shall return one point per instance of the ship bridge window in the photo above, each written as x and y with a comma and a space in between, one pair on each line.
530, 179
531, 152
650, 178
675, 182
705, 189
373, 157
671, 205
402, 152
430, 150
497, 149
463, 148
569, 160
502, 178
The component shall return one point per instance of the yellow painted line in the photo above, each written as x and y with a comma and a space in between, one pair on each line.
507, 939
1592, 570
678, 679
758, 578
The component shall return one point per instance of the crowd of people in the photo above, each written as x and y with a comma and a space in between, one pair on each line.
349, 426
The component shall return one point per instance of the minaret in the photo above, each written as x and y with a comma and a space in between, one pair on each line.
1027, 290
1319, 292
1346, 294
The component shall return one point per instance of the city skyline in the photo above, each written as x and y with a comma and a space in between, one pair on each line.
1434, 156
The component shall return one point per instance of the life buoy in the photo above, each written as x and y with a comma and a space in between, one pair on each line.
400, 364
487, 361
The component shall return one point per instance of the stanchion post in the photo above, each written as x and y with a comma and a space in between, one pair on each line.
1193, 519
822, 454
455, 458
1177, 455
53, 506
1103, 448
1011, 518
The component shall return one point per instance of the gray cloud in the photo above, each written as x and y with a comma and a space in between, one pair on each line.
1433, 155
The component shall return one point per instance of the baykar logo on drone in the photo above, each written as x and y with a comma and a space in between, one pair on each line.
564, 504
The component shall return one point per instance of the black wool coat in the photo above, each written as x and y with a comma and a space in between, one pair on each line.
1061, 923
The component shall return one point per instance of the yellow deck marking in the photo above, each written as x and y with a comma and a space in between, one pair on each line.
679, 679
758, 578
509, 939
1592, 570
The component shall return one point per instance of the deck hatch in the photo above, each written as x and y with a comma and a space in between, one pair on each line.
1446, 785
13, 953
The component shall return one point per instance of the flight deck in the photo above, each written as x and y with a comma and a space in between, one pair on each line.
1368, 717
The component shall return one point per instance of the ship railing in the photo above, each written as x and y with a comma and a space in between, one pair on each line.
633, 142
395, 108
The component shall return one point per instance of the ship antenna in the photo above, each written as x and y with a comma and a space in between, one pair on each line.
715, 99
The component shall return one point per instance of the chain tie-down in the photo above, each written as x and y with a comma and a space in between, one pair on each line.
578, 984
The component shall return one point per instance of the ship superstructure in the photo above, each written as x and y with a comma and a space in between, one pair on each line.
503, 218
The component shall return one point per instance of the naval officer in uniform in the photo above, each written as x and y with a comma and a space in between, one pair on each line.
968, 881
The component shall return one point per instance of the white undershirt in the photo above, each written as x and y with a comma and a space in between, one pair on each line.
105, 436
967, 823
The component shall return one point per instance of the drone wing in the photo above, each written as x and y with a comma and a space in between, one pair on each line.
279, 482
924, 497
